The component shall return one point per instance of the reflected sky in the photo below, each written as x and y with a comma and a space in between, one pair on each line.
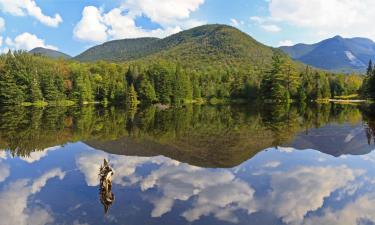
280, 185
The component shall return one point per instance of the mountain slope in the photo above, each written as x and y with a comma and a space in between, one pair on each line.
49, 53
119, 50
335, 54
203, 46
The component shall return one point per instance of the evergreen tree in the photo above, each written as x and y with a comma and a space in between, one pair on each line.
146, 90
370, 68
132, 97
35, 92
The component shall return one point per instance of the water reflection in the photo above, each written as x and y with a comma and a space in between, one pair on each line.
192, 165
204, 136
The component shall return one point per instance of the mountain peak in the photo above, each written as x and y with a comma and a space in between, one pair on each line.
49, 53
338, 37
215, 40
336, 54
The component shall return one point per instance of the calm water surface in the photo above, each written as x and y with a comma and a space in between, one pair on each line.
192, 165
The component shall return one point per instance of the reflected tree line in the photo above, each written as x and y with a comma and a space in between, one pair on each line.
238, 131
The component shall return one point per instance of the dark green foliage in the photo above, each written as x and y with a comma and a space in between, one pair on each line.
146, 90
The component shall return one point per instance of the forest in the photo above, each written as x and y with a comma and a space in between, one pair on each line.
27, 79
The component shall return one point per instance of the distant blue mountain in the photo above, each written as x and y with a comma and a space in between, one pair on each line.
335, 54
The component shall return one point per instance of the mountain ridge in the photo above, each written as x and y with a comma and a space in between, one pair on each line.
49, 53
207, 44
335, 54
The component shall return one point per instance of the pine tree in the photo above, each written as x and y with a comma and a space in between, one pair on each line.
132, 97
35, 92
369, 68
146, 90
10, 94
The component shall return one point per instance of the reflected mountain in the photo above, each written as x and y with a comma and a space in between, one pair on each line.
204, 136
335, 140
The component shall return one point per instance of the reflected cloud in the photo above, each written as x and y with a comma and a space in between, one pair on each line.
124, 166
37, 155
360, 211
220, 193
272, 164
4, 171
3, 154
303, 189
13, 200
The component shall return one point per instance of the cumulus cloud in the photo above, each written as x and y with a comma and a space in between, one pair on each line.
27, 41
91, 27
164, 12
29, 7
172, 16
14, 198
327, 18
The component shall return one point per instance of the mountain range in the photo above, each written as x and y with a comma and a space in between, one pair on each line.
216, 44
336, 54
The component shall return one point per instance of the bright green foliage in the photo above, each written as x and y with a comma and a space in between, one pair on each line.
132, 97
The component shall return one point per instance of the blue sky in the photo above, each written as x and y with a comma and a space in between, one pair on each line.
72, 26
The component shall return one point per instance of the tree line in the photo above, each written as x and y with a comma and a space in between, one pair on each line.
34, 79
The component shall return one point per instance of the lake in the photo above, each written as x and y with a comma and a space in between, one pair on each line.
249, 164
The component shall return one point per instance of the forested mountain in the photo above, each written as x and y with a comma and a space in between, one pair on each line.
119, 50
49, 53
201, 46
336, 54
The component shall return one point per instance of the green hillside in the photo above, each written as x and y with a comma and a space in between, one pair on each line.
119, 50
208, 45
49, 53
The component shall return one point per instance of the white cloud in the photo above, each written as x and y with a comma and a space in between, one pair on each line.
173, 16
270, 28
265, 24
286, 43
236, 23
14, 200
164, 12
327, 18
29, 7
91, 27
27, 41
